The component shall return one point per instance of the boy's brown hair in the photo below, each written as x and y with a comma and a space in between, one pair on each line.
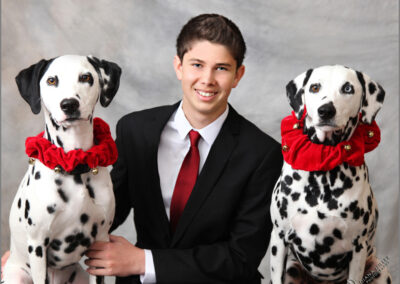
214, 28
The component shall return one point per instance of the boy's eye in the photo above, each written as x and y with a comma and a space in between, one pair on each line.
222, 68
314, 88
197, 65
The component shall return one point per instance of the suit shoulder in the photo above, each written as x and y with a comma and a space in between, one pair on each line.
258, 137
138, 117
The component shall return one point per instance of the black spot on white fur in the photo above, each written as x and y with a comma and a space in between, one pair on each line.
90, 190
62, 195
59, 142
78, 179
84, 218
39, 251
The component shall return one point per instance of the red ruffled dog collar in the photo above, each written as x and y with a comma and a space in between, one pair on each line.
103, 154
302, 154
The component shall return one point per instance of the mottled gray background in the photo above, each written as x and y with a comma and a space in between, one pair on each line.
284, 38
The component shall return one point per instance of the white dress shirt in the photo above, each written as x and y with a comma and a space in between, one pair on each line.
173, 147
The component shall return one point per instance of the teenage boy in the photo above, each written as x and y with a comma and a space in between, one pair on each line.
197, 174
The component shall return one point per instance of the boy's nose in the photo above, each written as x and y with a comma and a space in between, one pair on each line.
208, 77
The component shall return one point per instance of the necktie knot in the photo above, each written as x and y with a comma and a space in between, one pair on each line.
194, 138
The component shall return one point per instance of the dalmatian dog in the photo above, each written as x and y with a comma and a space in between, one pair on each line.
324, 222
56, 215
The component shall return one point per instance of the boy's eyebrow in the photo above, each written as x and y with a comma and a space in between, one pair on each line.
217, 64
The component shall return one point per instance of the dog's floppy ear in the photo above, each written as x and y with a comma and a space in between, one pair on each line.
295, 92
109, 74
28, 83
373, 96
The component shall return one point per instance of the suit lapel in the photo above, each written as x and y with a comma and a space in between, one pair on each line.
153, 135
212, 169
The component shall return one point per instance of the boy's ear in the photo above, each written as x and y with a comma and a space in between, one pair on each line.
239, 74
178, 67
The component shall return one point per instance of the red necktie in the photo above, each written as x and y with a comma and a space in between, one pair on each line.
186, 179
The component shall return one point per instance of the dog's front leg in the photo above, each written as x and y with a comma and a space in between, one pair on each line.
279, 252
357, 263
102, 237
38, 262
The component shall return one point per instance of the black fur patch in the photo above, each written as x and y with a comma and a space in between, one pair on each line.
273, 250
90, 190
371, 88
381, 95
295, 196
84, 218
314, 229
337, 233
50, 209
94, 230
296, 176
59, 142
27, 207
55, 244
39, 251
78, 179
62, 195
56, 126
37, 175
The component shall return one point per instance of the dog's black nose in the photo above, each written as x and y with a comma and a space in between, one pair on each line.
327, 111
69, 106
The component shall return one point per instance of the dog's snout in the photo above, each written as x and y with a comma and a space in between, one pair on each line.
327, 111
69, 106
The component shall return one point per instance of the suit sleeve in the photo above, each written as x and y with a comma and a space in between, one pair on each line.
120, 181
237, 259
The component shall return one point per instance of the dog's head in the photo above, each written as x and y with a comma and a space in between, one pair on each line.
69, 86
333, 97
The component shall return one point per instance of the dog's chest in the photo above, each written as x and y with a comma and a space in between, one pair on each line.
66, 212
336, 192
324, 215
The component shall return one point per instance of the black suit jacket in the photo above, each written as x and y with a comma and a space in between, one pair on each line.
224, 230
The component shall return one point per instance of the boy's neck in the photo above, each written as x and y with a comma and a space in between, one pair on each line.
199, 120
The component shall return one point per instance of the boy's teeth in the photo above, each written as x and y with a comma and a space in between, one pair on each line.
204, 94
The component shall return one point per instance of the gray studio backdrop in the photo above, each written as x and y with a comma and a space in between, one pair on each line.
284, 38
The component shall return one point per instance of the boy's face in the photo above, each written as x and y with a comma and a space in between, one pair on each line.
208, 73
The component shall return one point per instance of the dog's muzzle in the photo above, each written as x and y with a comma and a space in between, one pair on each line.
70, 107
327, 111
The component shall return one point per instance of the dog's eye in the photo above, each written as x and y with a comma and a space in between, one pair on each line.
85, 78
314, 88
52, 81
347, 88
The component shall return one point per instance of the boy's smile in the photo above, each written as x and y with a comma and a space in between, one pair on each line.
208, 73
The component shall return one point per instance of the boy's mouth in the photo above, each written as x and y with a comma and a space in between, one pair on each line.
206, 93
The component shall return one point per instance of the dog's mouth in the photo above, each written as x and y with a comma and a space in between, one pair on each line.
72, 119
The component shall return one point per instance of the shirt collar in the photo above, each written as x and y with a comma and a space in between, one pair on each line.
208, 133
